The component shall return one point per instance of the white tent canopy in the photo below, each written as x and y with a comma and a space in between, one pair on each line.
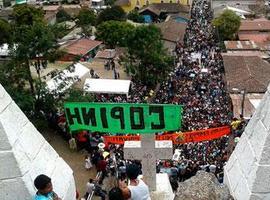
108, 86
4, 51
241, 13
69, 77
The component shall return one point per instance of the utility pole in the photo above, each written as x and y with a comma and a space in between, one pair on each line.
243, 92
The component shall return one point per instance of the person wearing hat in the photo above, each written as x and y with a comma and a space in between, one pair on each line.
137, 189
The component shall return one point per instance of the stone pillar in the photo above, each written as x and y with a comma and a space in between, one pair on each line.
24, 154
247, 173
148, 151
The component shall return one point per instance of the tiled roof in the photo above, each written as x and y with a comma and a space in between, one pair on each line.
241, 45
255, 25
261, 54
247, 72
256, 37
166, 8
152, 9
172, 31
250, 104
81, 46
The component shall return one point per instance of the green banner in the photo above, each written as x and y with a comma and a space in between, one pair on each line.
123, 117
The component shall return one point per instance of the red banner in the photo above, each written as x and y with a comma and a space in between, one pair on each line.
177, 138
120, 139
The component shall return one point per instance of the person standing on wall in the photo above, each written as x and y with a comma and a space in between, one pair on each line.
137, 189
44, 186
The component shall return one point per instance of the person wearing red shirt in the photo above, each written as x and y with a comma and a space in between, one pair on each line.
101, 167
81, 138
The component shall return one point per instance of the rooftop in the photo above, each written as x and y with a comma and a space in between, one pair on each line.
172, 31
72, 6
261, 24
261, 54
258, 37
158, 8
106, 53
51, 8
122, 2
246, 72
241, 45
81, 46
252, 101
239, 9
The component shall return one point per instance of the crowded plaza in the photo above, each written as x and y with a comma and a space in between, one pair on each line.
196, 82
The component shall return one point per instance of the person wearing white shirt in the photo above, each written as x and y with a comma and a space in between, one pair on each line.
137, 189
90, 187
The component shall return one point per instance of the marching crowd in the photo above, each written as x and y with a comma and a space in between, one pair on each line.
196, 83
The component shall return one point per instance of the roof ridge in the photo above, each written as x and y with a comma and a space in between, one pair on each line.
248, 68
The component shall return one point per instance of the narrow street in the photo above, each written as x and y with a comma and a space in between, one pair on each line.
74, 159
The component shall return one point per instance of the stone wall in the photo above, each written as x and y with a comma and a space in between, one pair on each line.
202, 186
247, 173
24, 154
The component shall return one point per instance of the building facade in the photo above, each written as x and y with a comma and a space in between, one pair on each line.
129, 5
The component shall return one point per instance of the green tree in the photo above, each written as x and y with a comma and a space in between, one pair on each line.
86, 18
146, 59
111, 13
34, 45
75, 95
59, 30
25, 14
5, 32
135, 16
12, 79
227, 25
114, 33
62, 16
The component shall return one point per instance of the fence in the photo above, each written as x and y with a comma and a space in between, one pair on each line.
90, 196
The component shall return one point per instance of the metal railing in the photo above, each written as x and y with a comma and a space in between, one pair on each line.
90, 196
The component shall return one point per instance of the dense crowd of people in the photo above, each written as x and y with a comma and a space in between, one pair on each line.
196, 83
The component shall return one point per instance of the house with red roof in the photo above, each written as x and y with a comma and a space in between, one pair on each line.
257, 30
82, 49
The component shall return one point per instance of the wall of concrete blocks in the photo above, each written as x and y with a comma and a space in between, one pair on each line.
24, 154
247, 173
